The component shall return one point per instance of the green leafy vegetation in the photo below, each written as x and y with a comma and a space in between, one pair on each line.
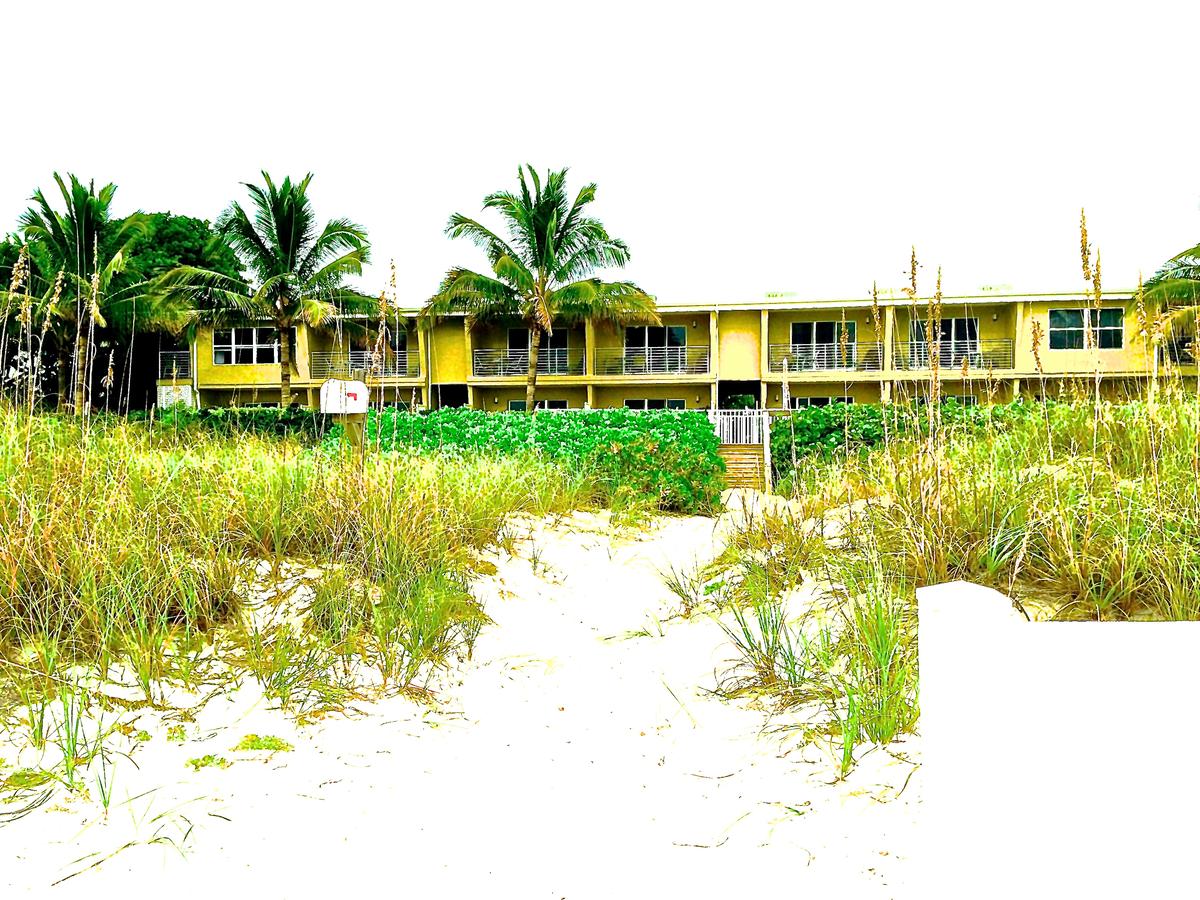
263, 742
668, 458
208, 761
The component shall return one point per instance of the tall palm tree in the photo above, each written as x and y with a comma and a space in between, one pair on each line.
297, 270
87, 248
542, 274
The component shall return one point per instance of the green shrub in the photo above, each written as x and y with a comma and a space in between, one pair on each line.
667, 456
838, 427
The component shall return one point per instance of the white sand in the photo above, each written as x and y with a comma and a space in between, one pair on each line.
566, 759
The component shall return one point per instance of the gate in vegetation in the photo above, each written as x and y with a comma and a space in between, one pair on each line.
745, 436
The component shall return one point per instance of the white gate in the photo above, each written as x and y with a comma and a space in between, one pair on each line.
738, 426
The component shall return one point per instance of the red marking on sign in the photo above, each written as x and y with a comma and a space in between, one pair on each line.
353, 395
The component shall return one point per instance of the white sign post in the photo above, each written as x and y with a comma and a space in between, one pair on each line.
347, 402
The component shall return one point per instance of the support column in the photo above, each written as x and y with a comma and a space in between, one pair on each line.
889, 338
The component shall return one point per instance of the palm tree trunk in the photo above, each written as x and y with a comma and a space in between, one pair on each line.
285, 368
81, 371
535, 341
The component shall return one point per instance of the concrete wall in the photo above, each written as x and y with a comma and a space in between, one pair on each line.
739, 342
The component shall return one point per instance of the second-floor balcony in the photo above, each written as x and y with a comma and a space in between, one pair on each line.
977, 354
852, 356
489, 363
175, 365
691, 360
344, 364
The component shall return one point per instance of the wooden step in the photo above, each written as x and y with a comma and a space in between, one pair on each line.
744, 466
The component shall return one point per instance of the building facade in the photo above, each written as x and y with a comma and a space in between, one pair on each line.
766, 354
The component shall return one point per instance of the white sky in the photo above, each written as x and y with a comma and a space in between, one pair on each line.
758, 147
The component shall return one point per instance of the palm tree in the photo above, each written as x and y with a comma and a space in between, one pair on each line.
1175, 290
297, 271
542, 274
85, 249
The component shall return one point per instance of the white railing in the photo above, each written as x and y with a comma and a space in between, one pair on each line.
488, 363
341, 364
738, 426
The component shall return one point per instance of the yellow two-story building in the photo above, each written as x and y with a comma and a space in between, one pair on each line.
764, 353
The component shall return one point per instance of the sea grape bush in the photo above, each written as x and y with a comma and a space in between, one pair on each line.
666, 456
825, 430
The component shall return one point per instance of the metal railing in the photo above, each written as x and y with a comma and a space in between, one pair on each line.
867, 357
175, 365
341, 364
652, 361
979, 354
514, 363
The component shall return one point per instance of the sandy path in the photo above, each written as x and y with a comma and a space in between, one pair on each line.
569, 758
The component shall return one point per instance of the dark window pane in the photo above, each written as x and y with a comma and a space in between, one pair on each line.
802, 332
556, 341
850, 329
676, 336
676, 404
398, 340
516, 406
656, 336
224, 338
1066, 318
243, 335
265, 355
818, 401
243, 356
1112, 318
1109, 338
635, 336
635, 404
656, 404
826, 332
518, 339
267, 336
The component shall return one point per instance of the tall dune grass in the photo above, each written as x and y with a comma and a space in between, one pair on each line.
124, 547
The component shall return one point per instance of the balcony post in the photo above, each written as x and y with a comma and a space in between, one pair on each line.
589, 347
714, 343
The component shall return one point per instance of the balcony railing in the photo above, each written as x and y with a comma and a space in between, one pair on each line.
825, 357
487, 363
979, 354
175, 365
652, 361
342, 364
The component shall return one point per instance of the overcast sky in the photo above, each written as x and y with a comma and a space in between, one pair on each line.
752, 148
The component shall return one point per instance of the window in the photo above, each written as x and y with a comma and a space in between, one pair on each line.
801, 402
1067, 328
645, 337
655, 404
818, 345
245, 347
958, 339
655, 348
553, 357
519, 405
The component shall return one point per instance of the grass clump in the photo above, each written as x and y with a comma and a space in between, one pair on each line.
208, 761
264, 742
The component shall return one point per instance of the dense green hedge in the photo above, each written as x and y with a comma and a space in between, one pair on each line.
825, 430
295, 421
668, 457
